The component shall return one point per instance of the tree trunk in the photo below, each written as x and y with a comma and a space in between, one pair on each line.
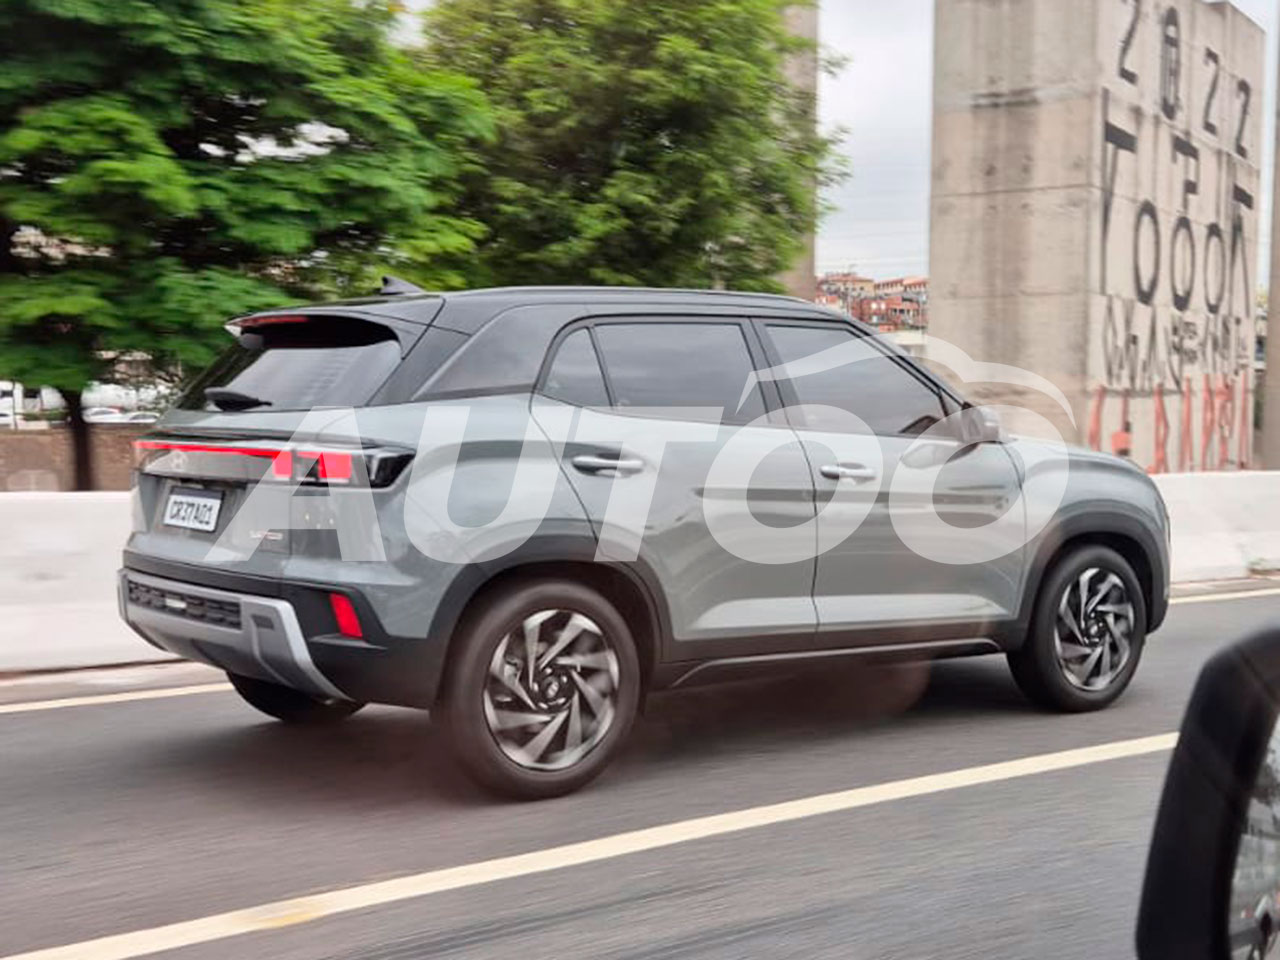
81, 450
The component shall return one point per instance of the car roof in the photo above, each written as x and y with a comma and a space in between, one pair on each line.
490, 301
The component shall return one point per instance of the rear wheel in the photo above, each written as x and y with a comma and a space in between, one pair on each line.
1087, 633
291, 706
541, 690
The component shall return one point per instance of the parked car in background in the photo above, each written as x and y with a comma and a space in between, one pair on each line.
102, 415
141, 416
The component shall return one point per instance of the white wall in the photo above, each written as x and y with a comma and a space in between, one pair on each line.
1225, 525
59, 553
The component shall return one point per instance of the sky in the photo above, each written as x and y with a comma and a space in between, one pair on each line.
882, 99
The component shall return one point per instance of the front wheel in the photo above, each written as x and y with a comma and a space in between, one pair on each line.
542, 688
1087, 633
289, 705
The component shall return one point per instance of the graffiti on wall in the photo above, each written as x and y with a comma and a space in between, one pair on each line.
1173, 319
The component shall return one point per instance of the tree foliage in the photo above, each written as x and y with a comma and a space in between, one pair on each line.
640, 142
167, 163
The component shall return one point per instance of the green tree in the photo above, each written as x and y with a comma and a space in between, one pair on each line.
642, 142
167, 163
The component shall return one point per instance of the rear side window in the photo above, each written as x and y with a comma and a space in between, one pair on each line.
298, 364
680, 365
575, 376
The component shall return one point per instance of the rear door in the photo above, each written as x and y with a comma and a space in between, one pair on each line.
640, 435
871, 579
279, 389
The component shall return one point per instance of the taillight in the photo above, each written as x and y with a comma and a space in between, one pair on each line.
335, 467
376, 468
345, 614
282, 465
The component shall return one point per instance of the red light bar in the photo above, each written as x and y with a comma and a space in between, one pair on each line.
332, 466
345, 614
281, 460
204, 448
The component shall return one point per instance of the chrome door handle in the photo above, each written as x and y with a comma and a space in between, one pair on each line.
847, 471
589, 463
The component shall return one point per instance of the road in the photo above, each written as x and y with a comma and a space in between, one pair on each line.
121, 817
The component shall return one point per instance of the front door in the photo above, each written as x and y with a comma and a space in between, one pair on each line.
903, 566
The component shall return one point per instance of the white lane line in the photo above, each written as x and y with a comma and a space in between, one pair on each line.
97, 698
1235, 595
283, 913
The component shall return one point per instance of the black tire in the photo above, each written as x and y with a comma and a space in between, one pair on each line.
472, 692
1037, 668
291, 706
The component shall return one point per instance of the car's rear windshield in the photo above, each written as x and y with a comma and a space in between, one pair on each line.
297, 364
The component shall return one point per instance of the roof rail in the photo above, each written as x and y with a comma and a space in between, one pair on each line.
395, 287
569, 288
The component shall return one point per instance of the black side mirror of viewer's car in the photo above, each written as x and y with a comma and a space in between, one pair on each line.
1212, 888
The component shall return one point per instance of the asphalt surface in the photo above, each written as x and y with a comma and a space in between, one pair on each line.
124, 816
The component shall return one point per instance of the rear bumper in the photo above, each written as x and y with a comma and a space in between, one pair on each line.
280, 632
262, 639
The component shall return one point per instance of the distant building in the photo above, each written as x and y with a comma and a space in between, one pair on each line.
846, 284
888, 305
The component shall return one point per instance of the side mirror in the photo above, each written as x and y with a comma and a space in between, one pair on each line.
980, 425
1212, 888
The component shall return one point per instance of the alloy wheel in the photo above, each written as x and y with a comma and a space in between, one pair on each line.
1093, 629
550, 694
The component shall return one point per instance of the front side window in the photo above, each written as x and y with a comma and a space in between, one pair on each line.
858, 378
681, 365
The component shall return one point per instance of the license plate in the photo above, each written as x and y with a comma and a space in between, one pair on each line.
193, 510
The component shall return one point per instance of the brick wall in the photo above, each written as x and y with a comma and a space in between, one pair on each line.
42, 459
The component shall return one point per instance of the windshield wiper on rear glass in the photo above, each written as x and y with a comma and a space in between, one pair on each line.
225, 399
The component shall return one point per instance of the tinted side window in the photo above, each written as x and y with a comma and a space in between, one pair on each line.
575, 376
680, 365
863, 380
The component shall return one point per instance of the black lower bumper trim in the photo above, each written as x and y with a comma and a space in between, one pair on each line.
380, 668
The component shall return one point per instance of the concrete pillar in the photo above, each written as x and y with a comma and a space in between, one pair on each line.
803, 74
1094, 213
1271, 380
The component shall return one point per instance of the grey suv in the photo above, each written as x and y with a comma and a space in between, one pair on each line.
525, 509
